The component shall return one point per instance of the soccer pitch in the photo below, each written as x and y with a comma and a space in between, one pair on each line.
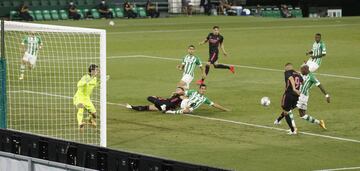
142, 58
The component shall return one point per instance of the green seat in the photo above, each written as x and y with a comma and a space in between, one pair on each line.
81, 13
14, 15
63, 2
54, 3
118, 12
46, 14
35, 3
95, 13
54, 15
32, 14
16, 4
80, 2
6, 4
296, 13
275, 13
38, 15
45, 3
63, 15
141, 11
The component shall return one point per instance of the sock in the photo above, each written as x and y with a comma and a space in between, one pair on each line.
80, 115
221, 66
140, 108
311, 119
22, 69
289, 122
207, 69
291, 115
280, 117
179, 112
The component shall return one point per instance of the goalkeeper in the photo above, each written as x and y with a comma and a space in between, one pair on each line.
31, 45
82, 97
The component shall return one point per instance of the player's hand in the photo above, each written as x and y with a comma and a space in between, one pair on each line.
297, 92
307, 53
225, 54
179, 67
328, 98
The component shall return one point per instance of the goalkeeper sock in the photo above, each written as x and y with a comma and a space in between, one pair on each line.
140, 108
22, 69
80, 115
310, 119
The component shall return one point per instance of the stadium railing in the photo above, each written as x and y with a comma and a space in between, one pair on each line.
87, 156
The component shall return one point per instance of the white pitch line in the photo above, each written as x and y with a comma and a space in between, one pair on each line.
336, 169
208, 118
239, 66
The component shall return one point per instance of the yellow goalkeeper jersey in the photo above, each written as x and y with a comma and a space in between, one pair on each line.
85, 86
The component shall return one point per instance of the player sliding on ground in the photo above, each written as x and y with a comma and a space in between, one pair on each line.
293, 81
82, 100
161, 104
195, 100
317, 52
215, 40
188, 65
31, 44
308, 81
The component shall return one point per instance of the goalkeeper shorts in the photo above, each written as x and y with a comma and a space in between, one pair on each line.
29, 58
88, 105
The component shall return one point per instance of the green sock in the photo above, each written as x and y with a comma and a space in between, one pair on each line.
311, 119
80, 115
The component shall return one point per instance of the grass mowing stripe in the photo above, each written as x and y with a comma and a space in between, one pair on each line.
239, 66
209, 118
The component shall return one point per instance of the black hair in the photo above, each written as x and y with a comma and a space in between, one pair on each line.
181, 88
202, 85
92, 67
216, 27
287, 64
318, 34
191, 46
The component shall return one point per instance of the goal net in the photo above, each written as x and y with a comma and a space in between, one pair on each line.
44, 65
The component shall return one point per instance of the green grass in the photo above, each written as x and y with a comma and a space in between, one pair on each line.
259, 42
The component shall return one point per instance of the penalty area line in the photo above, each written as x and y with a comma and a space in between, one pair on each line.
207, 118
337, 169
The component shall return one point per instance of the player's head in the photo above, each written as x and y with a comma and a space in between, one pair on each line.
288, 66
32, 33
179, 90
317, 37
191, 49
93, 69
216, 30
202, 89
304, 69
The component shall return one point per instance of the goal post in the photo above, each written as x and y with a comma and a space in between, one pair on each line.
43, 66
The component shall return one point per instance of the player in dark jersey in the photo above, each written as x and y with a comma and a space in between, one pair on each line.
293, 81
161, 104
215, 40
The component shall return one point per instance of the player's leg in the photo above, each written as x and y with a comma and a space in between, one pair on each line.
281, 116
313, 66
32, 62
185, 107
142, 108
89, 106
220, 66
302, 105
185, 81
24, 61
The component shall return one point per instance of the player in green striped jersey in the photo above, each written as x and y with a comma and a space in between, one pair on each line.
308, 81
31, 45
188, 65
317, 52
195, 100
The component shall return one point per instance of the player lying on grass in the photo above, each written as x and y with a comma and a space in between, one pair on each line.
215, 41
317, 52
188, 65
82, 100
31, 44
293, 81
161, 104
195, 100
308, 81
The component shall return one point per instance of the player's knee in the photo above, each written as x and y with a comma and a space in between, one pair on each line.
208, 64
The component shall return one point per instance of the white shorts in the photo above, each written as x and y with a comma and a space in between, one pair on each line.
302, 102
29, 58
187, 79
312, 65
185, 103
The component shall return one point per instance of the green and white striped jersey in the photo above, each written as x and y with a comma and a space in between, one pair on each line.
189, 62
32, 44
196, 99
318, 49
309, 81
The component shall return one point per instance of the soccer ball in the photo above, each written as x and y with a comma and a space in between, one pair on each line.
111, 23
265, 101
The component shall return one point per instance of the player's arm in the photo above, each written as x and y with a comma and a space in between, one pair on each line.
223, 48
203, 74
327, 96
215, 105
180, 67
309, 53
292, 82
204, 41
